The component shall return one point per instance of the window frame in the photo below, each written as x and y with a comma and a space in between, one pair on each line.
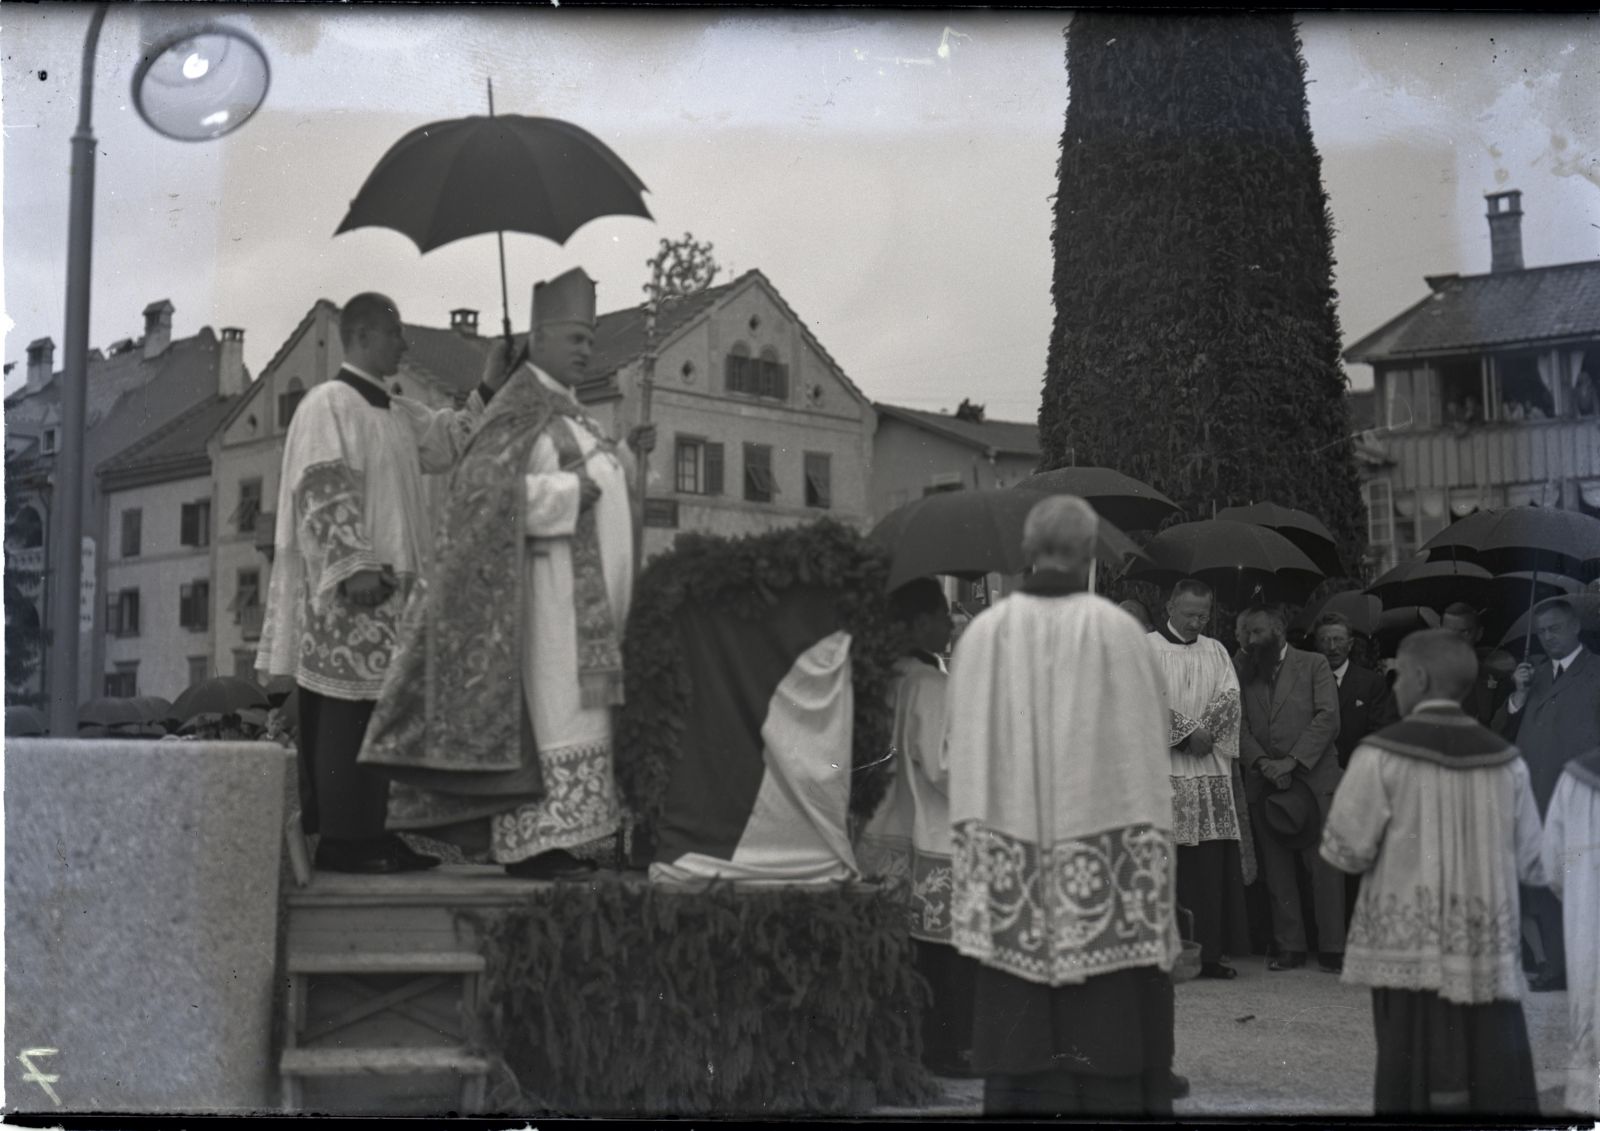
240, 515
824, 493
763, 466
136, 526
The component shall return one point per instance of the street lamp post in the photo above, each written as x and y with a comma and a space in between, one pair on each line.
195, 85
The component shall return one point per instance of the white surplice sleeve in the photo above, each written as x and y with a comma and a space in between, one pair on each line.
1531, 868
552, 495
441, 434
926, 731
1360, 813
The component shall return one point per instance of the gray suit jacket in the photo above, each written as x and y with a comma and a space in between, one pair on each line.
1297, 716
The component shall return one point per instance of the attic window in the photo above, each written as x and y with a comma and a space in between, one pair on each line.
688, 372
755, 323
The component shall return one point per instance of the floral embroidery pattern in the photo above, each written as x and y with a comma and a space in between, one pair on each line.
1088, 906
1202, 809
1222, 720
1465, 949
931, 883
580, 804
1181, 727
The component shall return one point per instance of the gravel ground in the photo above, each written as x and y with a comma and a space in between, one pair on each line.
1292, 1043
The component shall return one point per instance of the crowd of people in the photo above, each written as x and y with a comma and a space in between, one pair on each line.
1428, 827
1076, 792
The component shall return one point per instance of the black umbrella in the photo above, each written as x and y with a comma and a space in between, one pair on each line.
971, 533
1433, 584
25, 722
1586, 605
1540, 539
109, 711
1303, 529
219, 695
1123, 500
1398, 623
1362, 610
1232, 557
470, 176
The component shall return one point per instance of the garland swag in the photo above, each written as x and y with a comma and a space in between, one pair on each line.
744, 576
625, 998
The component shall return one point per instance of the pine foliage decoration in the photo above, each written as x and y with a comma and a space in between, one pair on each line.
623, 998
744, 577
1196, 343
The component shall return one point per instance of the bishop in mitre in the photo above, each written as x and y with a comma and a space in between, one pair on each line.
495, 721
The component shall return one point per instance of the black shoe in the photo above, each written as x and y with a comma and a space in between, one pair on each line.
1289, 960
367, 858
1180, 1086
1217, 970
1330, 963
556, 864
1549, 982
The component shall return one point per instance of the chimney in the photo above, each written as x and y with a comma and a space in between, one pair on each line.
464, 322
230, 363
41, 363
157, 328
1505, 231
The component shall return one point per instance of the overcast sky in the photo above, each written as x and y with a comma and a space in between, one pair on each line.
895, 193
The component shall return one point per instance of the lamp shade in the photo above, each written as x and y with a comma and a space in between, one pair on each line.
201, 84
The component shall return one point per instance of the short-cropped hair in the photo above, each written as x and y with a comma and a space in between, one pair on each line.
1555, 605
367, 310
1060, 526
1333, 620
915, 598
1450, 662
1272, 612
1191, 587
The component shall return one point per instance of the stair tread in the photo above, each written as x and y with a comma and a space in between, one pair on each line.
386, 962
388, 1061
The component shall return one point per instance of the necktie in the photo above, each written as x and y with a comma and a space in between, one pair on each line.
1557, 677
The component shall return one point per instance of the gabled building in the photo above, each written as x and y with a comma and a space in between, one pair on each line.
757, 426
135, 386
917, 453
1486, 393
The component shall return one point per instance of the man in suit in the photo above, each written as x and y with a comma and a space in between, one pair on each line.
1366, 705
1553, 715
1490, 689
1290, 733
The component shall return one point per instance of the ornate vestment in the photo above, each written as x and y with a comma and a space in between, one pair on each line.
500, 708
350, 499
1572, 863
1060, 798
1202, 690
1437, 815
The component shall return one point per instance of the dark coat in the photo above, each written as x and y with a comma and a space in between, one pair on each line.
1366, 704
1557, 723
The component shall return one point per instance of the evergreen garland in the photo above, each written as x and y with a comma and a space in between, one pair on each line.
624, 998
744, 577
1196, 344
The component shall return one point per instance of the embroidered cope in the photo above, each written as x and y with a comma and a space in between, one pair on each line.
1060, 797
351, 498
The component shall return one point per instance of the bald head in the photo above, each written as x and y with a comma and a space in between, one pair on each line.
1060, 533
1434, 664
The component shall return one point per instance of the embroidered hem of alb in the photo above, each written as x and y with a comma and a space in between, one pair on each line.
1202, 810
580, 805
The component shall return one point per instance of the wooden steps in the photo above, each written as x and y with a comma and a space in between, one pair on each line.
356, 1014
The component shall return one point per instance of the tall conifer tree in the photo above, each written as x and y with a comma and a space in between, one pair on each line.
1196, 344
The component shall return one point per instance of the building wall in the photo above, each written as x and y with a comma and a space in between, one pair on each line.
907, 461
821, 413
163, 647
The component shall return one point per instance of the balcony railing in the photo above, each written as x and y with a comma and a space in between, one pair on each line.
1483, 455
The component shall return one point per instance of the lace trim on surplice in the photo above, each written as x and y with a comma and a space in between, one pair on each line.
1459, 946
1202, 809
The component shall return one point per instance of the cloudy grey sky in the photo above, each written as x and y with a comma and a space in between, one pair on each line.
896, 194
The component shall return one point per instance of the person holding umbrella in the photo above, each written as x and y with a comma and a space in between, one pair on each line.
353, 539
1490, 689
495, 719
1553, 715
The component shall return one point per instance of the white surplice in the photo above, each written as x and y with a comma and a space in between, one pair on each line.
1572, 864
1202, 691
574, 741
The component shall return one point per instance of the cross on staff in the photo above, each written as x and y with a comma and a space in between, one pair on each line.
679, 270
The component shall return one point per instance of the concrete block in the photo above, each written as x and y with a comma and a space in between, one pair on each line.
141, 923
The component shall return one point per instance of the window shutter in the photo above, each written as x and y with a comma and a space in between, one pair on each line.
188, 535
133, 612
114, 614
202, 604
185, 606
713, 484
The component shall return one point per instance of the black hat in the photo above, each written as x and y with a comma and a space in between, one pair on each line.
1292, 815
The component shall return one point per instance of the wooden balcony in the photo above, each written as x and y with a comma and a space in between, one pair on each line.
1484, 455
